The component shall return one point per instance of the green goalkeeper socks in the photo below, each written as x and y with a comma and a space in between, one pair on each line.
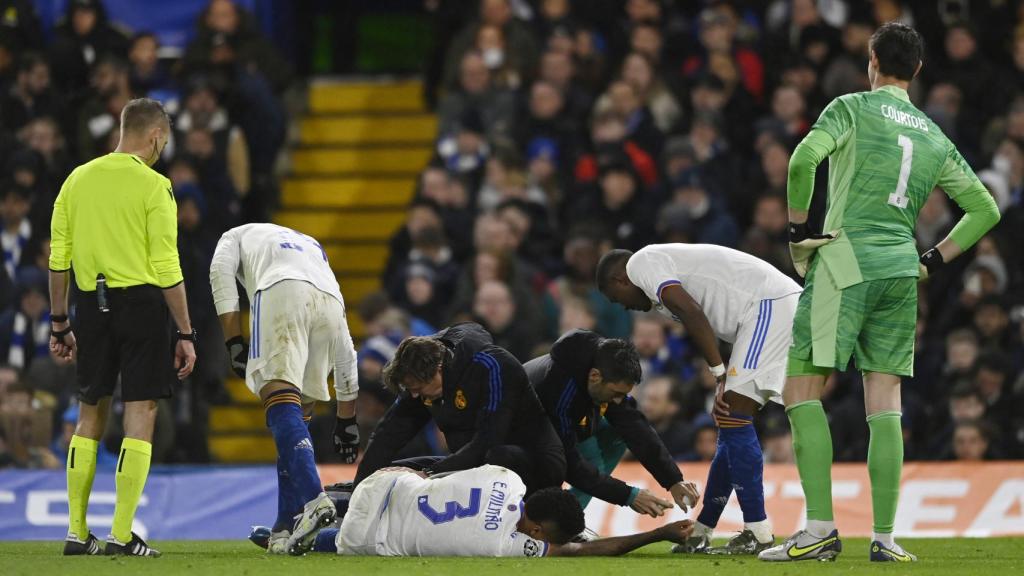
132, 470
812, 444
885, 465
81, 468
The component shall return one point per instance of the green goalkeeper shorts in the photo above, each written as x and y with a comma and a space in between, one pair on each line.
874, 321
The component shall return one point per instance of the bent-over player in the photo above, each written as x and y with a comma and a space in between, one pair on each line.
584, 385
719, 294
298, 336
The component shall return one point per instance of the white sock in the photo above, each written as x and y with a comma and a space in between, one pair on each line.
820, 528
762, 530
702, 530
885, 539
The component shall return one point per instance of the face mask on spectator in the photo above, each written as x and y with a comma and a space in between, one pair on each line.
493, 57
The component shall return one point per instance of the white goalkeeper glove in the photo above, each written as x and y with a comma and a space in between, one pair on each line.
803, 244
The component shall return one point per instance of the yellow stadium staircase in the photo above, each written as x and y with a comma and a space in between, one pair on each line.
353, 171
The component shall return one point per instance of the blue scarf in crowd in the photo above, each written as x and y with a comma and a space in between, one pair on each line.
14, 245
16, 355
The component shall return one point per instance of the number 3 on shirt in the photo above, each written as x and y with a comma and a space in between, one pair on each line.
452, 509
899, 198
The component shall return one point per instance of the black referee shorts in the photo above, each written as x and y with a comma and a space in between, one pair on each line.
133, 339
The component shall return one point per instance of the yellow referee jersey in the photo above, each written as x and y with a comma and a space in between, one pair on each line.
116, 216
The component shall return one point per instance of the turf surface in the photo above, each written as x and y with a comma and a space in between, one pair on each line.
997, 557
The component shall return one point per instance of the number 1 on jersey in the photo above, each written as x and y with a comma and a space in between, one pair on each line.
899, 198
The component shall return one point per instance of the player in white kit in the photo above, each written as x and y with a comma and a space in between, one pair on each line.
299, 335
475, 512
720, 294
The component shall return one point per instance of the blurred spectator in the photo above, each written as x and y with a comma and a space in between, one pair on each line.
558, 69
31, 95
717, 39
972, 442
105, 459
965, 405
848, 71
504, 42
639, 72
583, 248
464, 150
576, 314
777, 439
227, 35
25, 329
650, 336
43, 136
18, 238
658, 399
696, 214
992, 323
618, 203
966, 69
203, 111
704, 442
149, 75
505, 179
495, 310
546, 118
99, 118
625, 100
80, 41
26, 429
768, 237
476, 90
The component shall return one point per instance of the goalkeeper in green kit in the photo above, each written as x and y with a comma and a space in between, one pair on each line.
860, 298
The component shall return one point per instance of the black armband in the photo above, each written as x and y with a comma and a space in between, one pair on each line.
798, 232
932, 260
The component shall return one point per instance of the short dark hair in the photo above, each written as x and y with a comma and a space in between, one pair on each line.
608, 264
12, 188
618, 361
898, 48
417, 357
559, 511
142, 114
965, 390
30, 60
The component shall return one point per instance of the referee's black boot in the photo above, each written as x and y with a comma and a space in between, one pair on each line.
135, 547
75, 547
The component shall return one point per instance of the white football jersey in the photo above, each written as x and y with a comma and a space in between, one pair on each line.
261, 255
724, 282
467, 513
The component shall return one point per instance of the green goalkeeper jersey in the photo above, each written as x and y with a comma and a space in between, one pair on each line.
885, 158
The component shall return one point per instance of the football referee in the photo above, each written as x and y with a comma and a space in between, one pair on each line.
115, 223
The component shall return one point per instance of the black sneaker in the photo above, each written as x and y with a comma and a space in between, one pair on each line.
136, 547
75, 547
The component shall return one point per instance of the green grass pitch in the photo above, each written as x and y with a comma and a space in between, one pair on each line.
996, 556
961, 557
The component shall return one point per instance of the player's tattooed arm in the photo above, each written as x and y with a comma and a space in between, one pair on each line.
676, 532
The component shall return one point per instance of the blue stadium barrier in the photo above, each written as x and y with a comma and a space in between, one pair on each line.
180, 503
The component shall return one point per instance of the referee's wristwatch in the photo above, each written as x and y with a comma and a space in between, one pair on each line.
192, 336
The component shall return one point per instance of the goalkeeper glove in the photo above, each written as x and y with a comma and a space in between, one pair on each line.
930, 262
238, 353
346, 439
803, 244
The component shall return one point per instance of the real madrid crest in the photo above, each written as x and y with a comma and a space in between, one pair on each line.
460, 400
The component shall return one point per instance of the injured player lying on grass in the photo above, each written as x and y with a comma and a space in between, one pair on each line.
476, 512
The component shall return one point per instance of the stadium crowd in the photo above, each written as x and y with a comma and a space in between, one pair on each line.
567, 128
60, 98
